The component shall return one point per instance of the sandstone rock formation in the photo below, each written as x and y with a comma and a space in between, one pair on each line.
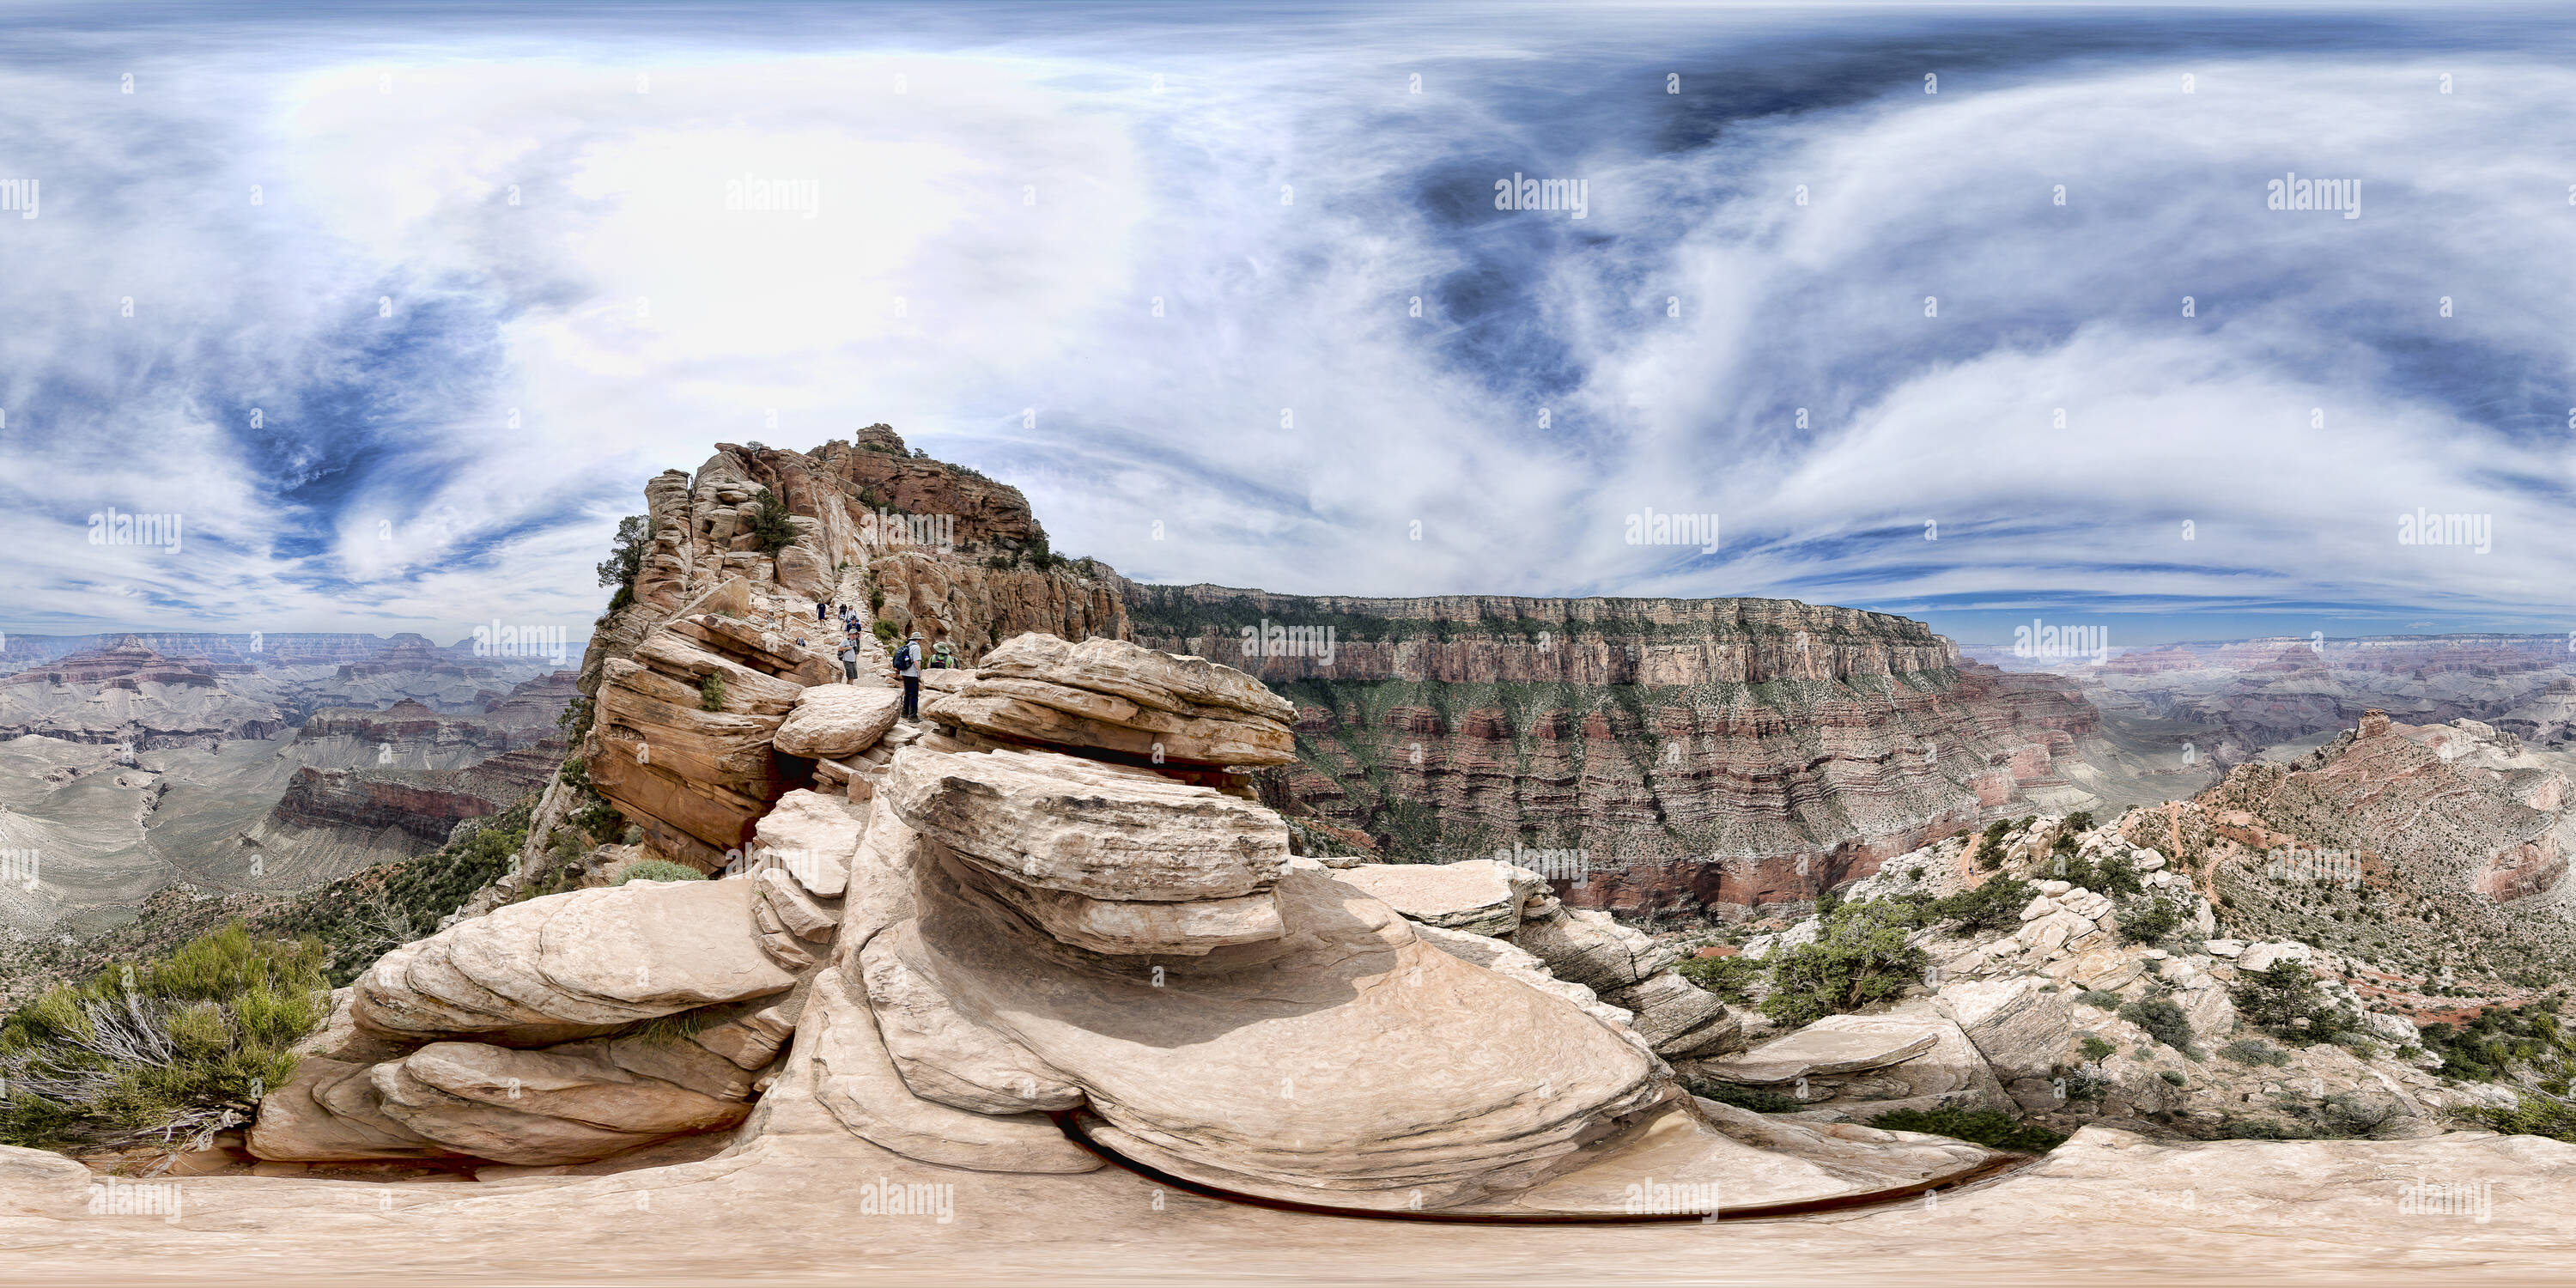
1110, 695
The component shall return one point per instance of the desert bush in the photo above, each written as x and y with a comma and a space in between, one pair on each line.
164, 1051
2099, 999
2149, 923
1757, 1099
1996, 905
770, 526
2281, 995
711, 692
1987, 1127
2254, 1051
1860, 957
2094, 1048
1728, 977
2162, 1018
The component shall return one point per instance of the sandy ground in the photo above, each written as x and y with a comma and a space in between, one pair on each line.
2106, 1208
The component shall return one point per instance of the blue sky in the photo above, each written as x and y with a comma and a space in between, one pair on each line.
1240, 273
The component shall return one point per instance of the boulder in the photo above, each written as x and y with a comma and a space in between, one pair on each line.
1834, 1044
570, 1105
1502, 958
944, 1056
1479, 896
2021, 1030
844, 1062
1125, 927
572, 965
1677, 1018
2260, 956
812, 836
1057, 822
1116, 696
297, 1124
1594, 950
36, 1182
839, 720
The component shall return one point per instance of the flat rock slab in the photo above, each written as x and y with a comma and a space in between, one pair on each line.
1346, 1062
1703, 1157
1478, 896
1831, 1045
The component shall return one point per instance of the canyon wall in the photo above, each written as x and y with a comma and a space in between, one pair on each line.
1727, 753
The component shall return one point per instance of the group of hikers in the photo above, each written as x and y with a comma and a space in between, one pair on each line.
908, 660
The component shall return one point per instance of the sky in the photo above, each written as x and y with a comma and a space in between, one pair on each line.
1975, 314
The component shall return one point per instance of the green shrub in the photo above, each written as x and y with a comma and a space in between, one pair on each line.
2162, 1019
1728, 977
885, 632
2491, 1045
1987, 1127
1996, 905
2254, 1051
2279, 996
1757, 1099
2150, 923
164, 1051
2095, 1048
1990, 846
625, 559
2173, 1076
659, 870
1860, 957
2099, 1000
770, 528
711, 692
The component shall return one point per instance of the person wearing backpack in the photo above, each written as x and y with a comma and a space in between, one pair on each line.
850, 659
907, 663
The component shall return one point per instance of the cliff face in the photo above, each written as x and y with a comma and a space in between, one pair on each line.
426, 804
934, 547
1727, 752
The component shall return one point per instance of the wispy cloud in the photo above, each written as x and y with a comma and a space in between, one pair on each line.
1257, 292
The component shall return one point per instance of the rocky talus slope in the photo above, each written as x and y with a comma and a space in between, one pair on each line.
1721, 754
2434, 857
998, 928
2066, 1018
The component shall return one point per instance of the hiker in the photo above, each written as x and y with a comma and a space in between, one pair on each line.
821, 610
907, 663
850, 660
942, 656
